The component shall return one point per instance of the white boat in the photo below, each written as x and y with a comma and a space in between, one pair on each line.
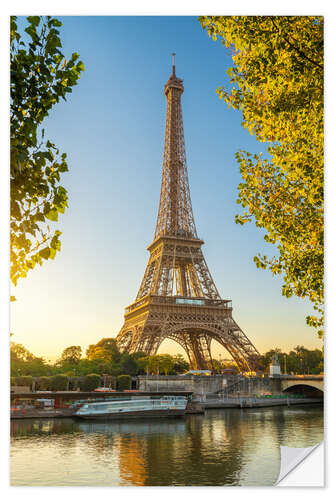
167, 406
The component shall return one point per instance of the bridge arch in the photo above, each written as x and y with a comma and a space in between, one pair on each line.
311, 388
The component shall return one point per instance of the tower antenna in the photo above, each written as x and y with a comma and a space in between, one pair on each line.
173, 63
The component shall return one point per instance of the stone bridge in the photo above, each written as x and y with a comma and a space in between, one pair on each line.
308, 385
302, 383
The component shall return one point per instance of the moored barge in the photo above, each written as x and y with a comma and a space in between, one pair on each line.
167, 406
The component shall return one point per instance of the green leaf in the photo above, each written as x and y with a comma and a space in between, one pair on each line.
80, 66
34, 20
52, 215
52, 253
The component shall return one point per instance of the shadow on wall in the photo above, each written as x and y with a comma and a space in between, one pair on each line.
305, 390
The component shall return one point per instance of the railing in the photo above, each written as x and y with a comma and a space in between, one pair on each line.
197, 301
233, 385
136, 304
179, 301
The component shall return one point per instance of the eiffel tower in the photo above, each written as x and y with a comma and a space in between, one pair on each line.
177, 298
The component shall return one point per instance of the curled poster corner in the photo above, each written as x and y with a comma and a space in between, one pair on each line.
292, 457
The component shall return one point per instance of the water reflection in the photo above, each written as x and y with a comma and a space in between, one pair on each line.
231, 447
43, 426
143, 427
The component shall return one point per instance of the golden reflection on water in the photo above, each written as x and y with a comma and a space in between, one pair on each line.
231, 447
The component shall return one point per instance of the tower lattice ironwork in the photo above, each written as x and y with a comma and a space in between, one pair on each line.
177, 298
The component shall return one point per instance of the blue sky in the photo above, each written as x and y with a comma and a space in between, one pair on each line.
112, 129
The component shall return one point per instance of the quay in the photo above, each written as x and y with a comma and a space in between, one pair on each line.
203, 392
23, 405
27, 405
194, 408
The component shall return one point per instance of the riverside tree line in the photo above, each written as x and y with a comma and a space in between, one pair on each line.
104, 358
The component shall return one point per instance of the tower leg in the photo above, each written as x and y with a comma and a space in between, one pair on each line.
199, 352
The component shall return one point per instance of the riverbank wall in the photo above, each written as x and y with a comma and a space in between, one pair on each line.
214, 384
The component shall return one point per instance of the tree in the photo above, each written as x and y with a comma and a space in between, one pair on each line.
19, 353
180, 364
44, 383
105, 349
59, 383
23, 362
128, 364
142, 364
153, 364
90, 382
40, 77
304, 361
138, 355
73, 383
72, 354
161, 363
217, 366
166, 363
86, 366
314, 361
277, 83
24, 381
116, 369
299, 360
124, 382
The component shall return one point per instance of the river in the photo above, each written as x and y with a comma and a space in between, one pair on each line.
222, 447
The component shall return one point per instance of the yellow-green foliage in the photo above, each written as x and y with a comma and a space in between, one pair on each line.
40, 78
277, 83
